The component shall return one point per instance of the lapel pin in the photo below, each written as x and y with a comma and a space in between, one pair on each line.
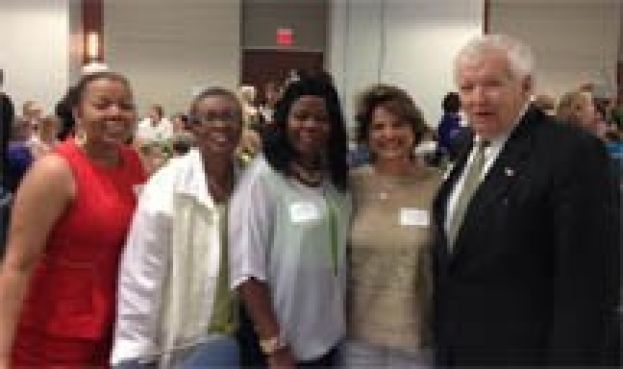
509, 172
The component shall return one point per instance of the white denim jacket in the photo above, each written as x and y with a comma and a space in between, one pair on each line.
169, 269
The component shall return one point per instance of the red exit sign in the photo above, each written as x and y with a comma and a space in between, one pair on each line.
285, 36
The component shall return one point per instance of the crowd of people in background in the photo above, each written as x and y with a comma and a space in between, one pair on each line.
246, 234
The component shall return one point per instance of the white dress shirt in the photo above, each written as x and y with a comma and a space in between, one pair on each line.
491, 154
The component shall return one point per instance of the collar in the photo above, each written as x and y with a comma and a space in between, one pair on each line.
193, 180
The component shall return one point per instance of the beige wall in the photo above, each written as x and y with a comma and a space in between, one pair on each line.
35, 50
575, 41
171, 49
407, 43
262, 18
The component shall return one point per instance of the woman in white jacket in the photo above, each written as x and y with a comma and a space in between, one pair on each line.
174, 305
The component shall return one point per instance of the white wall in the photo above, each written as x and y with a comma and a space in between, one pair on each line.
410, 43
35, 50
575, 41
170, 49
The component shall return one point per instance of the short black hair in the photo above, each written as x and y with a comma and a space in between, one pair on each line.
277, 148
209, 92
84, 82
451, 103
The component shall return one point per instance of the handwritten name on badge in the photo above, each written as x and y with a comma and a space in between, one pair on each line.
414, 217
302, 212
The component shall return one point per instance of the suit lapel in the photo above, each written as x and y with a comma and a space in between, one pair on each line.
504, 172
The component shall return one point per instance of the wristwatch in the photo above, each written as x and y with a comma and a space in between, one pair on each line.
272, 344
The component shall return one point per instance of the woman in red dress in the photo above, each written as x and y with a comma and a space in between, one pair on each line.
69, 222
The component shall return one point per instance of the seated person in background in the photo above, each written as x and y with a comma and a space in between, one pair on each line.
19, 155
155, 128
546, 103
272, 94
577, 108
449, 126
32, 111
45, 138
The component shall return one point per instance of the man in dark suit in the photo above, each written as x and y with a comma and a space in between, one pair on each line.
526, 226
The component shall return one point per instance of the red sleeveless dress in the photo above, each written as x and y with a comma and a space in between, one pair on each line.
69, 310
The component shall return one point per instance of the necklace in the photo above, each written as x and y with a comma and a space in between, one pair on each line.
221, 190
311, 177
390, 183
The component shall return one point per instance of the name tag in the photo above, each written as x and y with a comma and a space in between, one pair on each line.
302, 212
414, 217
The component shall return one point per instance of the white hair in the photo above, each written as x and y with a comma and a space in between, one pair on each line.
520, 56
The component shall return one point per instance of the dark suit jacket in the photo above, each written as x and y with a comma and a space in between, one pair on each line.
533, 277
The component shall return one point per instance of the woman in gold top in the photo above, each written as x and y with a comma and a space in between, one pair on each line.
389, 288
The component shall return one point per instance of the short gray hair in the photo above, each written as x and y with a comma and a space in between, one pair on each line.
519, 54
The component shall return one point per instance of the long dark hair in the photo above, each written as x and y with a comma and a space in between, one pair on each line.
277, 148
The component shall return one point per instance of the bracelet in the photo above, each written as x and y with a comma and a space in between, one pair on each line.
272, 344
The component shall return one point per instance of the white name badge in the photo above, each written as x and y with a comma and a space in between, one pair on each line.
301, 212
414, 217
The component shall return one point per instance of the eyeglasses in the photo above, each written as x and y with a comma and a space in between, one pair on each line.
213, 118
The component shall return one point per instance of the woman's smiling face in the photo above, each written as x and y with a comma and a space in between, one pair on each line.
309, 127
217, 125
106, 112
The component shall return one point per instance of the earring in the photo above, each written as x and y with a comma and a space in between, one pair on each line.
80, 136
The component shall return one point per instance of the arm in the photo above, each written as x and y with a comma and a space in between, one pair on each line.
49, 182
256, 298
250, 237
587, 255
141, 277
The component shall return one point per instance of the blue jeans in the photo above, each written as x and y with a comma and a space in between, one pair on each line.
219, 352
